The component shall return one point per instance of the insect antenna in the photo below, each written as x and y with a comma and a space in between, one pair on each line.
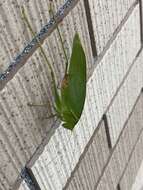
60, 37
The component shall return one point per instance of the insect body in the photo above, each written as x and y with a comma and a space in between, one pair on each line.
69, 99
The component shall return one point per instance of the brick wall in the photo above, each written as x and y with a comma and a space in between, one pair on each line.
104, 151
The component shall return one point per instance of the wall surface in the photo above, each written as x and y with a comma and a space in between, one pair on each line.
104, 151
138, 184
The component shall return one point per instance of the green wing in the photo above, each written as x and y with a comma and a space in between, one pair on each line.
77, 78
73, 90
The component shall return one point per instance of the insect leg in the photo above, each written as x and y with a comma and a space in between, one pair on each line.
38, 105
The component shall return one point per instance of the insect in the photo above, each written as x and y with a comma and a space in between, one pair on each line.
70, 98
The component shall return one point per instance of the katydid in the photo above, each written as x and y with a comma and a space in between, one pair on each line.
69, 99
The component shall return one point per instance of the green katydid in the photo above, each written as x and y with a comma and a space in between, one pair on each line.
69, 99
